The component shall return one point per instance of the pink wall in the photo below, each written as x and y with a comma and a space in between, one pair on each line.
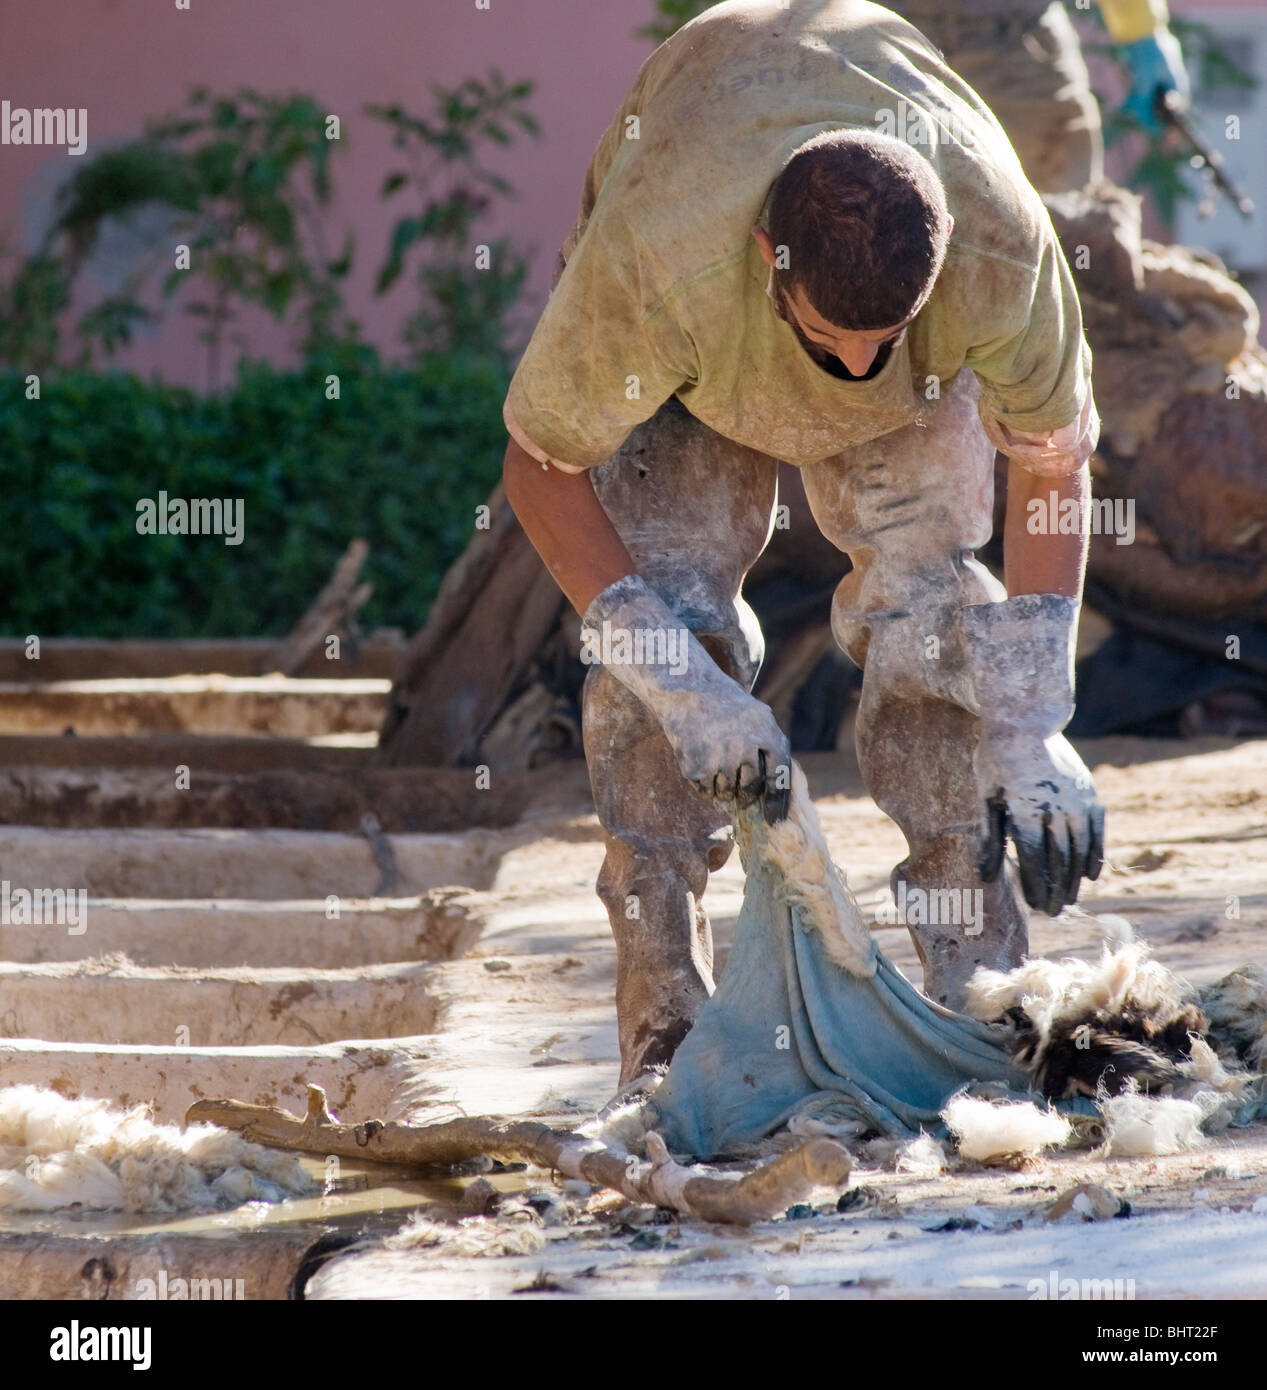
126, 60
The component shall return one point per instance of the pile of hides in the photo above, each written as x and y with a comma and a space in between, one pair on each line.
811, 1019
56, 1152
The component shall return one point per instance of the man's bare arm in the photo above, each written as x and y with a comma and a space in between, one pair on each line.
563, 518
1037, 558
1040, 555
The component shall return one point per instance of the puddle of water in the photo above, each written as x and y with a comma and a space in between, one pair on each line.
375, 1198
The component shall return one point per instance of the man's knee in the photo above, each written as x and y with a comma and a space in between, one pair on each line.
640, 872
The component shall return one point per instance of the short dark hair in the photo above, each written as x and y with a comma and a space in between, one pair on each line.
864, 221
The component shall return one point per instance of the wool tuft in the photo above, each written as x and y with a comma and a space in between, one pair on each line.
622, 1128
993, 1129
1206, 1069
1051, 991
814, 885
1135, 1124
921, 1158
56, 1152
518, 1232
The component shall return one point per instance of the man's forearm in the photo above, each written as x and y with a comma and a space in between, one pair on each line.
563, 518
1045, 537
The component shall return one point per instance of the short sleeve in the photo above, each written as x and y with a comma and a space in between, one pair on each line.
600, 361
1037, 374
612, 143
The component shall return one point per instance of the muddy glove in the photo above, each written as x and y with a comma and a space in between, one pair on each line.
726, 743
1037, 790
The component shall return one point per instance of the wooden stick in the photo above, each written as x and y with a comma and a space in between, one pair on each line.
757, 1196
330, 610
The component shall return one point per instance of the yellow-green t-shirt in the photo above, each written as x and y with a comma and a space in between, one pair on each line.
664, 291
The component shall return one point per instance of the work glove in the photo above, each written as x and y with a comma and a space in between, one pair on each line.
1043, 801
1037, 790
726, 742
1155, 66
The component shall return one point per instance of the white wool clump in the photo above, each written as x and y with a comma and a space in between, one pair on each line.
477, 1236
986, 1129
1051, 992
815, 886
623, 1129
1203, 1065
56, 1152
921, 1158
1136, 1125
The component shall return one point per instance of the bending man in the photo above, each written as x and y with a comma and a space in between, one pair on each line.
804, 238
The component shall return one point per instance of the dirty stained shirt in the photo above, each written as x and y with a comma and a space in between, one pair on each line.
664, 290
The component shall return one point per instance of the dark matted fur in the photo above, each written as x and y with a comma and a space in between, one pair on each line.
1108, 1052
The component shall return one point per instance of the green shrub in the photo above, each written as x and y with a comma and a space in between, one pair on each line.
403, 458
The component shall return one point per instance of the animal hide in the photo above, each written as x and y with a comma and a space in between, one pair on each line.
810, 1014
1088, 1028
1237, 1010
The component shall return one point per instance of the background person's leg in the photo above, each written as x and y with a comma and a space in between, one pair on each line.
909, 509
695, 511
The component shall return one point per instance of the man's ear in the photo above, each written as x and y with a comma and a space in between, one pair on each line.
950, 224
762, 238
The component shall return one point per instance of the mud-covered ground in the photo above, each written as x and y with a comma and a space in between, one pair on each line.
528, 1027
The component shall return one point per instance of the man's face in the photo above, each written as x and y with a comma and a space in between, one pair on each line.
858, 352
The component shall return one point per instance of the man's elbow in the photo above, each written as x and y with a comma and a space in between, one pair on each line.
516, 466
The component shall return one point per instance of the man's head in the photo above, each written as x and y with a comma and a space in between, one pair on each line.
858, 233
